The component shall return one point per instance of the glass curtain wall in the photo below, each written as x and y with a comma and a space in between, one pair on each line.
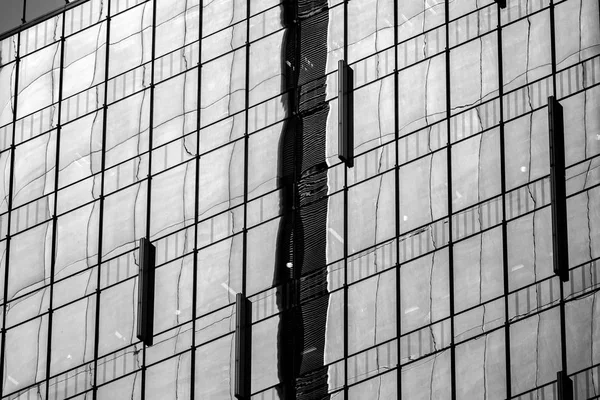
439, 240
124, 119
211, 128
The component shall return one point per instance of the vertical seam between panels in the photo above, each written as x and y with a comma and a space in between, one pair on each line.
397, 209
246, 103
149, 178
346, 218
196, 205
449, 199
503, 194
563, 339
55, 194
10, 201
101, 202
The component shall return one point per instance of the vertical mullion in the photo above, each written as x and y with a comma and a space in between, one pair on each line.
101, 200
345, 220
563, 332
149, 184
503, 193
246, 103
449, 199
10, 201
55, 195
246, 322
196, 200
397, 208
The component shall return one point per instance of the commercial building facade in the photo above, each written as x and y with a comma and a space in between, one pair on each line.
210, 128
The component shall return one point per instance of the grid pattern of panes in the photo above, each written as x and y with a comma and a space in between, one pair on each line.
121, 119
440, 237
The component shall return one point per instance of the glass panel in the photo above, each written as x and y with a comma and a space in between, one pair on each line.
28, 306
40, 34
535, 351
73, 330
261, 255
478, 269
386, 387
266, 78
577, 32
214, 369
371, 212
583, 223
173, 294
481, 368
122, 230
372, 311
130, 39
29, 267
34, 165
335, 225
425, 291
219, 14
7, 92
526, 51
25, 356
172, 203
75, 287
170, 343
127, 129
118, 314
84, 15
170, 379
581, 333
425, 199
264, 160
420, 102
474, 72
527, 149
175, 103
131, 385
460, 8
529, 249
265, 366
80, 146
84, 59
219, 274
4, 181
77, 240
374, 115
417, 16
38, 77
224, 41
223, 84
372, 27
176, 24
334, 328
476, 169
427, 379
221, 179
581, 115
266, 22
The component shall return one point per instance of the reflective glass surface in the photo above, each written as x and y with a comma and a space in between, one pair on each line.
211, 129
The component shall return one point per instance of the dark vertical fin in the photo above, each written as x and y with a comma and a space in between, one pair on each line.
560, 247
145, 316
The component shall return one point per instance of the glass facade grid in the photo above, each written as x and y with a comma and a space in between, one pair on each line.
211, 129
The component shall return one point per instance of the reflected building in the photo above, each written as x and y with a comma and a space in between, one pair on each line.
211, 129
